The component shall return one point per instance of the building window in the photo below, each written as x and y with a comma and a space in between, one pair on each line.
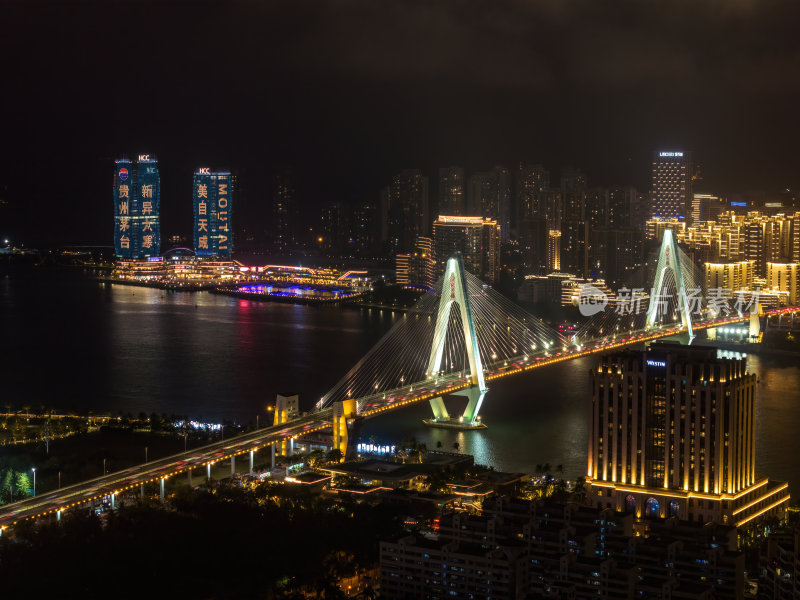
674, 508
652, 508
630, 504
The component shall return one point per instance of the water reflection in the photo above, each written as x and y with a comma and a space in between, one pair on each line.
111, 348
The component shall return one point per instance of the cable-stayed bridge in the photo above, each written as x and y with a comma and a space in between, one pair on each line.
456, 340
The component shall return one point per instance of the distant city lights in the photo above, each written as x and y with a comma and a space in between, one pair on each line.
198, 426
373, 449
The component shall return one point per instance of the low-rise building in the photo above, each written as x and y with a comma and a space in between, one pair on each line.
545, 549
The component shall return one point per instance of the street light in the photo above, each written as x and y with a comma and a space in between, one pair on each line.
34, 480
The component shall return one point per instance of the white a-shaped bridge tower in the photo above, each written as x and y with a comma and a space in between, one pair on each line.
669, 260
454, 292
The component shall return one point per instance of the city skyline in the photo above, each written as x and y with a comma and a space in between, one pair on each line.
477, 299
445, 85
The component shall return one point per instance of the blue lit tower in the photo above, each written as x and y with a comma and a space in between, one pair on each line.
213, 202
137, 195
124, 236
148, 198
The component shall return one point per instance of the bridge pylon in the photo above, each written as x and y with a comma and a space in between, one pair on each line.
287, 407
669, 260
342, 411
455, 292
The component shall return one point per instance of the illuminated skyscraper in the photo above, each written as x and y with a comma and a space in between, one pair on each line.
148, 194
554, 250
672, 433
137, 198
671, 191
213, 204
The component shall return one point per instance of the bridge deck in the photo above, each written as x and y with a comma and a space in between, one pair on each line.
115, 483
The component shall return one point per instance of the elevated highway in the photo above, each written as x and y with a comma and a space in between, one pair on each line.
52, 503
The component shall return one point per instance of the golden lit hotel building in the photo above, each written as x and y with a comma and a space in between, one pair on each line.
553, 250
782, 279
673, 434
731, 276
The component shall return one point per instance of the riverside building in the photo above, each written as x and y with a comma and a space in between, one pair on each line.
213, 204
673, 434
137, 198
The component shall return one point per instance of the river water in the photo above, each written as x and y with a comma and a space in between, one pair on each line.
71, 343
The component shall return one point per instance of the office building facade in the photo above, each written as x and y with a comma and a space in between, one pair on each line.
137, 199
213, 206
673, 434
671, 190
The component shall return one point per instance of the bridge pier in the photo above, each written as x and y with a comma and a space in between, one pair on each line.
439, 409
287, 407
251, 461
141, 490
113, 502
161, 495
272, 455
468, 420
342, 411
208, 472
58, 517
755, 322
233, 466
475, 399
189, 476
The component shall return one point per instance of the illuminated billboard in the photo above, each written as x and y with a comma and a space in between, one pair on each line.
213, 201
137, 194
124, 239
148, 192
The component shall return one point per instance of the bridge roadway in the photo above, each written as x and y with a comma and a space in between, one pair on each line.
50, 503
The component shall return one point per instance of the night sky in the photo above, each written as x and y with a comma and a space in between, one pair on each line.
348, 92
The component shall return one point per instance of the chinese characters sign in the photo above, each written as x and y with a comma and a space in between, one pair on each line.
212, 214
137, 232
